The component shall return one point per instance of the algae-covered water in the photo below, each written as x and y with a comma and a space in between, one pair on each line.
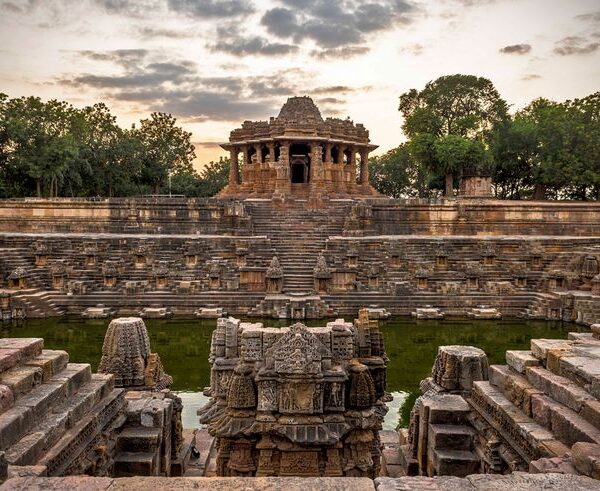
184, 346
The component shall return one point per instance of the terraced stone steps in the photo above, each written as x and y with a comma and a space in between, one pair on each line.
45, 398
298, 236
543, 394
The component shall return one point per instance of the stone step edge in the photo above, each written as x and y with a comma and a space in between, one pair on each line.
477, 402
93, 391
75, 441
585, 420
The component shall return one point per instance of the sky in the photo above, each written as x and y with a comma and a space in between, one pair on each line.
215, 63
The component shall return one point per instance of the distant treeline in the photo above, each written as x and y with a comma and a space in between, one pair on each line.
54, 149
459, 123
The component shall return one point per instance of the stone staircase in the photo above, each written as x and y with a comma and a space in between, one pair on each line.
53, 413
38, 303
544, 400
298, 235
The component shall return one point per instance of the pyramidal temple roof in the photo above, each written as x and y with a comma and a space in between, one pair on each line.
300, 109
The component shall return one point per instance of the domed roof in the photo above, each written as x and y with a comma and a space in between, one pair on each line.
300, 109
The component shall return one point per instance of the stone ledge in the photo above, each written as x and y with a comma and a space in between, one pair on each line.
202, 483
521, 481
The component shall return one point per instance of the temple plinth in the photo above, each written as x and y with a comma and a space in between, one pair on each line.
298, 153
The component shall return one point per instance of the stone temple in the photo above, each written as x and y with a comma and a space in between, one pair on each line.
298, 153
300, 234
297, 401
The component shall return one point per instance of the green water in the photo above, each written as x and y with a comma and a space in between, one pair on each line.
184, 346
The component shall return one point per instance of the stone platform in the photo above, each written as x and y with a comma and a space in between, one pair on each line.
539, 413
516, 481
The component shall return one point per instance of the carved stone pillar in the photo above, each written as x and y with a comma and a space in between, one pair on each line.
234, 171
328, 153
246, 156
272, 152
340, 155
352, 164
316, 163
364, 166
283, 183
258, 149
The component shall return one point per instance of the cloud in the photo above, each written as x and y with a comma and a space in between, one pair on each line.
178, 87
575, 45
330, 100
206, 144
589, 17
231, 42
333, 89
343, 52
332, 25
212, 8
122, 57
413, 49
149, 32
530, 76
516, 49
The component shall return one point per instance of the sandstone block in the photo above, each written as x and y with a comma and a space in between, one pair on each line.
586, 459
9, 357
457, 367
446, 409
591, 412
552, 464
22, 379
452, 437
540, 347
29, 347
7, 398
559, 388
519, 360
13, 423
498, 375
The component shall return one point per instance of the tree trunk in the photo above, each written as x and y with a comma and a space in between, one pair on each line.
449, 192
539, 192
38, 188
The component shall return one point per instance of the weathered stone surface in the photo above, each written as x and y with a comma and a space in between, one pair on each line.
126, 354
176, 483
586, 459
530, 482
540, 347
297, 401
559, 388
442, 483
519, 360
457, 367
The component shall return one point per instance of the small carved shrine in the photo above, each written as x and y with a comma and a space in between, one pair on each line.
126, 354
297, 401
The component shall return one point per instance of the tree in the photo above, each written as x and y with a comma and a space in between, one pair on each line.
398, 174
459, 105
166, 149
41, 141
215, 176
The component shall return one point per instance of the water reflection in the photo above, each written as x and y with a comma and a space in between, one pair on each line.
184, 346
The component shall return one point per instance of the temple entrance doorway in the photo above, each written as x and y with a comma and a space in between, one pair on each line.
299, 163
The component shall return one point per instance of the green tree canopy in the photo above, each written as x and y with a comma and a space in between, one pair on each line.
442, 118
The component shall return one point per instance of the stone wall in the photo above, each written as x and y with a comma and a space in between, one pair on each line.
523, 258
378, 216
123, 215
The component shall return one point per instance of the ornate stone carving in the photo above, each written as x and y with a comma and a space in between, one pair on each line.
290, 399
126, 354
